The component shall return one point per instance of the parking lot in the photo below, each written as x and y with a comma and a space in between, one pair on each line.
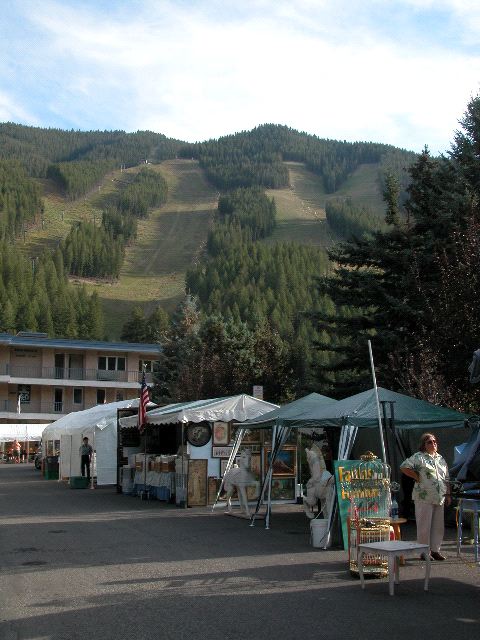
96, 564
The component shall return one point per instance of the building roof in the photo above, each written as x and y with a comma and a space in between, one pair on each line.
26, 339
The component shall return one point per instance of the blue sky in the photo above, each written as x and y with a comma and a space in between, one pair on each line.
393, 71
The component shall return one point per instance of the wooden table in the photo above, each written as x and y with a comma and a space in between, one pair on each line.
394, 549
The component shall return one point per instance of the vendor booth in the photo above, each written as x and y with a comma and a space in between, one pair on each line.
186, 447
63, 438
28, 435
398, 413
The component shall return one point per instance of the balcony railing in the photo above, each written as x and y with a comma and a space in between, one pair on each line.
63, 373
10, 406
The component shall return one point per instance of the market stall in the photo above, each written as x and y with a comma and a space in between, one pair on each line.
64, 437
198, 434
28, 435
400, 414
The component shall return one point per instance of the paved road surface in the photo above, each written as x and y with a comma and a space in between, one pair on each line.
92, 564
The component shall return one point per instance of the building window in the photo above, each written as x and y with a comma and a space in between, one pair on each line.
119, 396
111, 363
58, 401
101, 396
77, 396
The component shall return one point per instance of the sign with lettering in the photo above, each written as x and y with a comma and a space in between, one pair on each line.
367, 500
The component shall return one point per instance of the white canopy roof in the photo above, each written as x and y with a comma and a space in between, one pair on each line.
239, 408
98, 417
21, 432
99, 424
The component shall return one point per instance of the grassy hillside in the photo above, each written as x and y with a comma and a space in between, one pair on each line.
174, 235
301, 208
168, 241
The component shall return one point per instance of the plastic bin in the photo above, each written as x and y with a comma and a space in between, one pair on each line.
51, 468
78, 482
319, 532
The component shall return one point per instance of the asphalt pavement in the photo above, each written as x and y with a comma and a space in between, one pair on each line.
99, 565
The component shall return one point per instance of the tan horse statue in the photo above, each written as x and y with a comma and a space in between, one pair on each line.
239, 478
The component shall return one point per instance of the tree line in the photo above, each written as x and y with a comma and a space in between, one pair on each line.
37, 148
251, 299
255, 158
412, 288
348, 219
35, 295
98, 251
20, 200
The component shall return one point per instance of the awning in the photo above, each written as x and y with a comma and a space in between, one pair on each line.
239, 408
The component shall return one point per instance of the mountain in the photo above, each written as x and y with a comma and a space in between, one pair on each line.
137, 208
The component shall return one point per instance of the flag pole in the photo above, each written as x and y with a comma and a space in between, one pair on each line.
378, 403
142, 408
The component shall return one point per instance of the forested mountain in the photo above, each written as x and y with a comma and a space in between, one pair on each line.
256, 157
250, 315
37, 149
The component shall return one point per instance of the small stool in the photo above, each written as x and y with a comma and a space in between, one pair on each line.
468, 505
394, 549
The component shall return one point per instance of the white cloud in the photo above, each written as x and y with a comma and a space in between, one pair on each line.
203, 69
11, 111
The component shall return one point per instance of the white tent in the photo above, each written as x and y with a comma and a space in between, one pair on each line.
21, 432
239, 408
99, 425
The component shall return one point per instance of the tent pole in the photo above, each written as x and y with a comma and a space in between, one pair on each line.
92, 470
269, 495
231, 460
378, 403
144, 492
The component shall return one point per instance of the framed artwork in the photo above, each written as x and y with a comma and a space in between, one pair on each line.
221, 433
285, 463
266, 437
283, 489
197, 483
221, 452
256, 465
213, 485
223, 466
252, 436
198, 434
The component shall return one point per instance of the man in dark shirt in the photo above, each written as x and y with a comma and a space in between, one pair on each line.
86, 452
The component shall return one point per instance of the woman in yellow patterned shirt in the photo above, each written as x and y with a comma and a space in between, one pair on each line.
430, 492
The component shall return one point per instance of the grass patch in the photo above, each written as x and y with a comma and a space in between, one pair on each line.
173, 236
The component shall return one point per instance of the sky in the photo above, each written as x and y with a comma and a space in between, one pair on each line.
399, 72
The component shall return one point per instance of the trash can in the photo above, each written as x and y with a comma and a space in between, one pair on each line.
51, 468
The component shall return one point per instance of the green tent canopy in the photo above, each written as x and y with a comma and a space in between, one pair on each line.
310, 404
361, 410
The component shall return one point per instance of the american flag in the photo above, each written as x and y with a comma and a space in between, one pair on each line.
142, 407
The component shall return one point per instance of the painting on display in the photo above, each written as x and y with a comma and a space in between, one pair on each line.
251, 436
221, 433
221, 452
285, 463
283, 489
256, 469
213, 486
197, 483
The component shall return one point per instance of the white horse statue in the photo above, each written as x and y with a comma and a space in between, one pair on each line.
240, 477
320, 486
